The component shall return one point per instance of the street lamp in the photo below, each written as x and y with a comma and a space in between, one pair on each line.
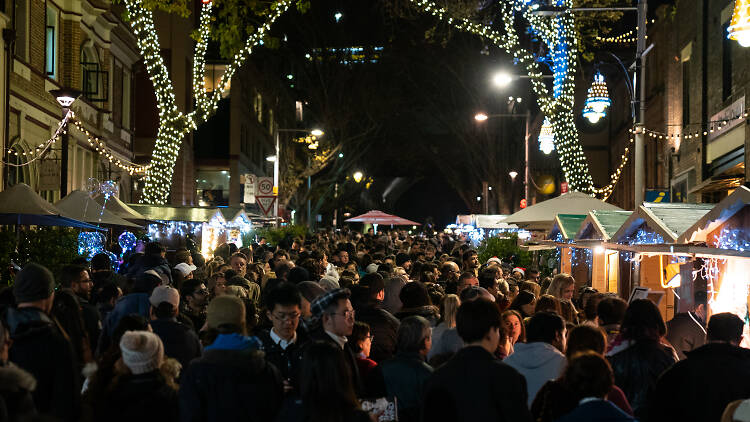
314, 132
502, 79
739, 27
271, 158
513, 175
358, 175
66, 98
480, 117
317, 132
547, 137
597, 100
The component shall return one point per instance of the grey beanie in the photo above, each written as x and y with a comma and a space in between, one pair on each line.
142, 351
34, 282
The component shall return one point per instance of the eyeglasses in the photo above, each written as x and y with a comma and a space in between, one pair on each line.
345, 314
286, 317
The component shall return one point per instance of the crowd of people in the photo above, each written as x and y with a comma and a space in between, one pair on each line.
342, 326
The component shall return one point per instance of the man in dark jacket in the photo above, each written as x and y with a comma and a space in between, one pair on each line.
686, 331
283, 344
180, 341
701, 386
75, 278
366, 298
474, 385
40, 348
335, 314
405, 375
102, 274
154, 258
232, 381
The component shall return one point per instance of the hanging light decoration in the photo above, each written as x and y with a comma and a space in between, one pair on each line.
547, 137
597, 100
739, 27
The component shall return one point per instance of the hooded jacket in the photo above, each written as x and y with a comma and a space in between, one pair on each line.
16, 385
538, 362
40, 348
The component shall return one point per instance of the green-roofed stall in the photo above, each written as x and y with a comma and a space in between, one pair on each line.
601, 225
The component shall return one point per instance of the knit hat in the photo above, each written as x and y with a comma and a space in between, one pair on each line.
329, 298
185, 268
165, 294
34, 282
310, 290
372, 268
142, 351
225, 310
328, 283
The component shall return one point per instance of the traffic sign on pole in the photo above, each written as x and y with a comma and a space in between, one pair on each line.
265, 203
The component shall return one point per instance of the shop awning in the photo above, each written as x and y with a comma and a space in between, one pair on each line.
719, 215
566, 225
602, 224
666, 220
541, 216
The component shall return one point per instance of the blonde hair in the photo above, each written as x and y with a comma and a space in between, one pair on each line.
450, 306
559, 283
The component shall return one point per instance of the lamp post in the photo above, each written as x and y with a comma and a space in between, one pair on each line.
315, 132
65, 97
483, 117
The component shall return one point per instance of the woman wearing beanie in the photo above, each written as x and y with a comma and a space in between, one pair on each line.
142, 389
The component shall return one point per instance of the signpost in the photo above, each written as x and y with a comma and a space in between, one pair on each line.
250, 183
265, 195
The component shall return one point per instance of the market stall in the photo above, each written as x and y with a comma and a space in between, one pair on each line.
653, 224
564, 228
540, 217
601, 225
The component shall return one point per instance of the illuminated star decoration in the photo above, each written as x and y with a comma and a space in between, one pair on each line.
597, 100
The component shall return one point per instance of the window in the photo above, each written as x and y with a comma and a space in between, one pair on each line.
298, 111
22, 29
95, 80
726, 64
51, 35
126, 94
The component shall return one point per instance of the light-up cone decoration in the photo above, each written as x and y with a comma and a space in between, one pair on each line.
547, 137
597, 100
739, 27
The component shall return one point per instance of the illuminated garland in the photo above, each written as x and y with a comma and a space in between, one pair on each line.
105, 152
711, 127
39, 151
559, 36
175, 125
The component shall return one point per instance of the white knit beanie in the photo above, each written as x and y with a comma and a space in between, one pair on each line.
142, 351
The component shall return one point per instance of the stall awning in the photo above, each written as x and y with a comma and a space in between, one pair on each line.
191, 214
602, 224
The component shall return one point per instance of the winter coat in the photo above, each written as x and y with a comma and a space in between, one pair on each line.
596, 410
554, 401
445, 341
430, 313
92, 321
701, 386
474, 386
230, 385
293, 410
288, 361
143, 398
16, 385
41, 349
538, 362
686, 332
180, 342
320, 335
636, 369
156, 263
384, 327
133, 303
405, 377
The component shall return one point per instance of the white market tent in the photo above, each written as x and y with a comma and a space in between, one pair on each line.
485, 221
80, 206
541, 216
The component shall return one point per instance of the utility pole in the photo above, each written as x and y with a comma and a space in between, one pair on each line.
640, 94
527, 171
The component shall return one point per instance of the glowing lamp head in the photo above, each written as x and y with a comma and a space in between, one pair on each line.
317, 132
547, 137
599, 249
513, 174
502, 79
597, 100
739, 27
65, 97
358, 176
271, 158
481, 117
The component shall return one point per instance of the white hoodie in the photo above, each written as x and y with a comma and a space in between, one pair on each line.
538, 362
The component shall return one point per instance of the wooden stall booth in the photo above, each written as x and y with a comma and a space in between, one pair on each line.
564, 228
601, 225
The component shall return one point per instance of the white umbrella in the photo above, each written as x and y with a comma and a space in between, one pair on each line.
79, 205
542, 215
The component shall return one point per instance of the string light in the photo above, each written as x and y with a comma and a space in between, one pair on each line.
173, 124
105, 152
546, 137
558, 33
39, 151
606, 191
597, 100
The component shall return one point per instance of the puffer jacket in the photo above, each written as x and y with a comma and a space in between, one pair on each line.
538, 362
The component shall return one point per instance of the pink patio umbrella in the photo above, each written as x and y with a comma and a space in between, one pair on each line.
375, 218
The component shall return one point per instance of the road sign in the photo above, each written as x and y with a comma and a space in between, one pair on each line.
523, 203
250, 183
657, 195
265, 186
265, 203
563, 188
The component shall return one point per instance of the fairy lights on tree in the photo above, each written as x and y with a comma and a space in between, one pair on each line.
557, 33
174, 124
